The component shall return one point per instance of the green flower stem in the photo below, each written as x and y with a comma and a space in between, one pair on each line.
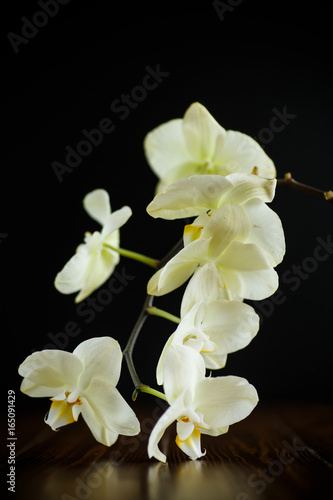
136, 256
148, 390
155, 311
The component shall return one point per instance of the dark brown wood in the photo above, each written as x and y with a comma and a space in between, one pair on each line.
282, 451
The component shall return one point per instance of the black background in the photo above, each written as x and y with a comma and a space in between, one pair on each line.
261, 56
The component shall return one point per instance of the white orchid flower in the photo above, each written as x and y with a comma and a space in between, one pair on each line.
214, 329
219, 244
197, 144
197, 195
83, 382
198, 404
94, 262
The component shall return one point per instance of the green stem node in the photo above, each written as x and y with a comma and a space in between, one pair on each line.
155, 311
136, 256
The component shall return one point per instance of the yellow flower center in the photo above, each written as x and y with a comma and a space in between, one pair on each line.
77, 402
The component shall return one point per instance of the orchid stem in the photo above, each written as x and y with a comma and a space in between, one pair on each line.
128, 351
147, 305
148, 390
155, 311
135, 255
288, 181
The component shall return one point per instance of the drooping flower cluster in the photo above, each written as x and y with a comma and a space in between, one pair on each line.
223, 180
229, 254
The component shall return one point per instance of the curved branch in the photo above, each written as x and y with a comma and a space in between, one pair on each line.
148, 303
289, 182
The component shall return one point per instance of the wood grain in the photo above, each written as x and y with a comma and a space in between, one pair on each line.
283, 450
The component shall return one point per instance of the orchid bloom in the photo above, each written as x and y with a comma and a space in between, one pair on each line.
196, 195
83, 382
197, 144
94, 262
215, 329
219, 244
198, 404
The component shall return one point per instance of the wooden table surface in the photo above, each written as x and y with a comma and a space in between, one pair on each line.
281, 451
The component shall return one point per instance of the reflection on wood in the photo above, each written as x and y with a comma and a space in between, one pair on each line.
281, 451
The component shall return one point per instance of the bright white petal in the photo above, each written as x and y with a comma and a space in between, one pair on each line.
174, 412
201, 131
159, 368
188, 333
179, 268
187, 169
51, 369
71, 278
101, 357
97, 205
101, 433
214, 361
246, 187
189, 197
184, 429
231, 325
40, 391
116, 220
266, 230
165, 147
224, 400
222, 226
110, 408
101, 265
246, 272
183, 368
203, 285
241, 153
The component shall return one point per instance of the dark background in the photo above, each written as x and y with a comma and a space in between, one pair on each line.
261, 56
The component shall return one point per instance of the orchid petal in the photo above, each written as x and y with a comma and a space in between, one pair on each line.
246, 272
109, 410
71, 278
191, 445
101, 433
231, 325
51, 369
202, 286
189, 197
102, 264
173, 413
179, 268
246, 187
97, 205
266, 230
222, 226
240, 153
101, 358
39, 391
201, 131
165, 147
116, 220
60, 414
225, 400
214, 361
183, 367
184, 429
